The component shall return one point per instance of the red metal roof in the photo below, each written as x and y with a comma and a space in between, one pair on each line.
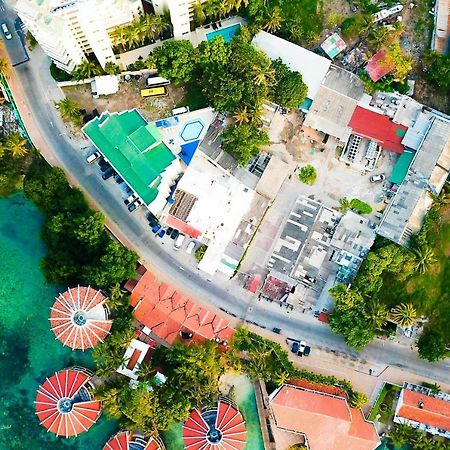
434, 412
79, 318
327, 421
122, 441
379, 65
167, 312
253, 283
64, 405
183, 227
379, 128
229, 422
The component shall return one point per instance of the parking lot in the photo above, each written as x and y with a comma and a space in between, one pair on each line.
168, 237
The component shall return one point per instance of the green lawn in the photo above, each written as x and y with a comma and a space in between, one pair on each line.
428, 292
385, 403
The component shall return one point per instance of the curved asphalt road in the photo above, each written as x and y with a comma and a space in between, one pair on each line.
35, 92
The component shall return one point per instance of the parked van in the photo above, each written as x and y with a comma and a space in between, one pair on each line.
91, 158
180, 110
178, 242
154, 92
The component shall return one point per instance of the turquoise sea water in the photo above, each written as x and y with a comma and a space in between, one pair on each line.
28, 349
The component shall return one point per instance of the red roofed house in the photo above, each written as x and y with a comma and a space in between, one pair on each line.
326, 421
418, 408
377, 127
170, 314
379, 65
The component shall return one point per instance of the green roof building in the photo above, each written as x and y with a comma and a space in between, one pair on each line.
135, 150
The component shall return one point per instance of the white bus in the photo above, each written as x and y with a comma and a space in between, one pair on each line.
157, 81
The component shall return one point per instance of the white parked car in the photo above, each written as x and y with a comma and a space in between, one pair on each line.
190, 247
91, 158
6, 31
301, 348
377, 178
178, 242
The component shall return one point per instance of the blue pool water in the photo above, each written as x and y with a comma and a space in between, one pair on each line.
227, 33
192, 130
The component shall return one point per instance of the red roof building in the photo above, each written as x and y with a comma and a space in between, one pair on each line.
79, 318
418, 408
377, 127
216, 428
379, 65
170, 314
327, 421
125, 440
64, 404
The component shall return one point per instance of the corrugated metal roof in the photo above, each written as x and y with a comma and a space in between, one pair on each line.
133, 147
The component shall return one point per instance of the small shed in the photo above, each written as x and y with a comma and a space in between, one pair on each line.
104, 85
333, 45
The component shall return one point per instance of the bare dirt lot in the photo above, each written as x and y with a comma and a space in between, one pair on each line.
127, 97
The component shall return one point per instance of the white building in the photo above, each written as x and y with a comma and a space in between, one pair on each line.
180, 15
209, 205
69, 30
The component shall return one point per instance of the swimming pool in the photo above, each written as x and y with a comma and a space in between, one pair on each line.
227, 33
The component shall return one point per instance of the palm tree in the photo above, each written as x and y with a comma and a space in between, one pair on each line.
281, 377
16, 144
400, 435
87, 69
344, 205
367, 24
264, 73
145, 371
441, 200
111, 68
119, 37
424, 258
274, 20
404, 315
379, 37
242, 115
397, 30
199, 13
69, 109
256, 114
4, 67
160, 23
377, 314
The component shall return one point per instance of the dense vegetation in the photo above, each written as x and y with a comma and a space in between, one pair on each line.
437, 70
398, 284
192, 378
234, 78
402, 435
15, 156
80, 250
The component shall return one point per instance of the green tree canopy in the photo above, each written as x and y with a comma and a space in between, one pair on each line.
352, 326
243, 141
360, 207
432, 345
176, 60
308, 174
289, 91
437, 69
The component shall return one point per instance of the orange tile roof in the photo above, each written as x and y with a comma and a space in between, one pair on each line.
167, 312
435, 412
327, 421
